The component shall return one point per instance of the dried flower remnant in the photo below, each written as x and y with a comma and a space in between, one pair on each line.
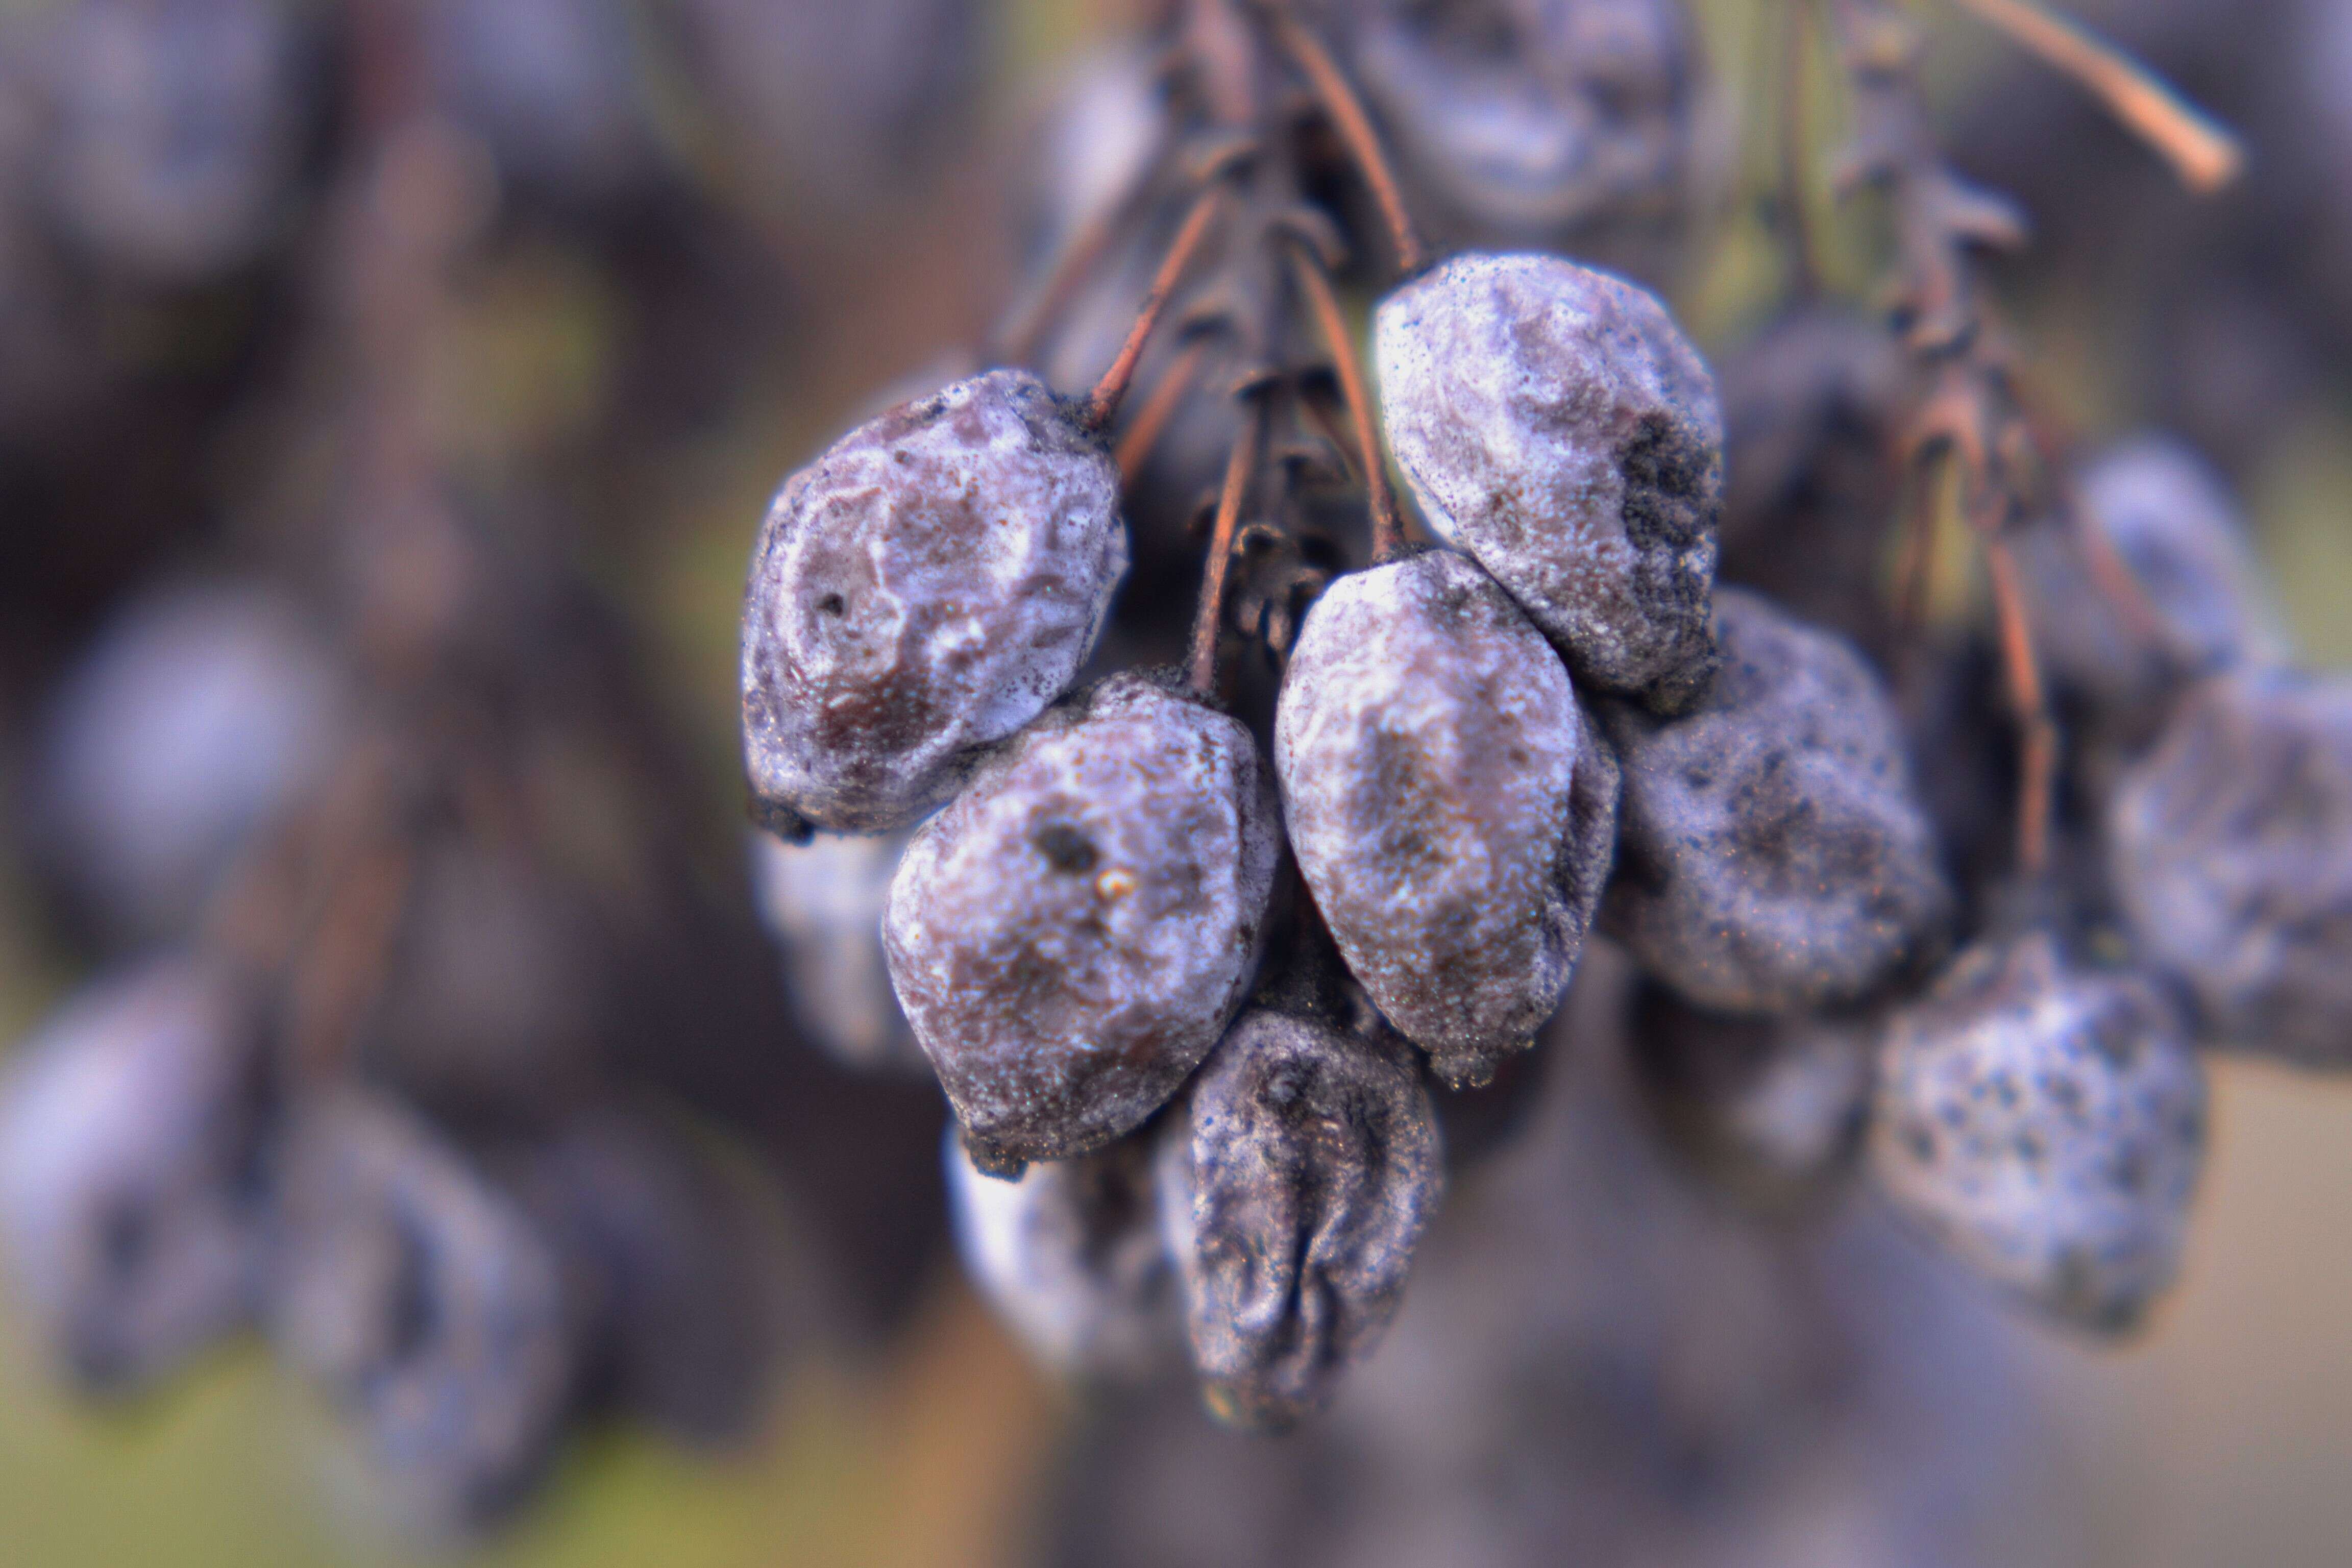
1071, 1257
1451, 809
2045, 1124
1772, 853
1294, 1182
920, 591
1069, 937
2230, 847
1555, 423
132, 1203
428, 1306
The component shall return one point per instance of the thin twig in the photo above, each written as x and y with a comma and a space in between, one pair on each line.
1388, 523
1176, 384
2202, 153
2029, 702
1102, 404
1241, 465
1345, 110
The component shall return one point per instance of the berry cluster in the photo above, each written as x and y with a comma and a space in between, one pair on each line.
1211, 937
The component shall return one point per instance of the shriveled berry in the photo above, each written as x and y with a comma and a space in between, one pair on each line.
176, 130
1070, 936
823, 902
673, 1277
1568, 125
1071, 1257
1770, 1112
1557, 424
924, 589
203, 710
2231, 847
2203, 606
428, 1305
2044, 1123
1812, 406
1771, 854
1452, 811
1295, 1183
129, 1170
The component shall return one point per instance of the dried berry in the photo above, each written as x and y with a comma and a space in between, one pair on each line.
1451, 809
1811, 407
1071, 935
2044, 1123
2203, 605
1556, 424
823, 902
672, 1277
130, 1170
427, 1304
1071, 1257
2230, 847
1572, 125
201, 711
924, 589
1294, 1186
176, 130
1769, 1111
1771, 855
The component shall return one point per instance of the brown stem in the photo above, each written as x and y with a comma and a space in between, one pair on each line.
350, 953
1345, 110
2204, 156
1102, 404
1388, 523
2037, 733
1241, 465
1151, 421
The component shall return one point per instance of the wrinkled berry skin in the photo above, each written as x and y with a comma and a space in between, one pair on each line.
1070, 936
1769, 1112
1556, 424
1452, 812
1294, 1186
922, 590
130, 1201
2174, 528
2045, 1125
2231, 847
1071, 1254
426, 1304
1771, 855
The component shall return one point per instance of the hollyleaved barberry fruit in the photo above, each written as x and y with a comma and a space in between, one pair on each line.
2044, 1123
1070, 936
920, 591
1556, 424
1452, 811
